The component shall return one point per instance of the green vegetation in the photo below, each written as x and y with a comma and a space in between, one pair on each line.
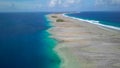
54, 16
59, 20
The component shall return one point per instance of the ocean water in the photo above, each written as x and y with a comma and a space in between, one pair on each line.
107, 19
24, 42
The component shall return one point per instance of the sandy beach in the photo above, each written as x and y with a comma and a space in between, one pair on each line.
84, 45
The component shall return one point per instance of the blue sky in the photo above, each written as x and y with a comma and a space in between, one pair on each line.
59, 5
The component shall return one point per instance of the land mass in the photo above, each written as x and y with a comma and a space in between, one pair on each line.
84, 45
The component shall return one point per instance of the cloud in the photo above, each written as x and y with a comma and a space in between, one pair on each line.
7, 5
53, 3
99, 2
58, 5
108, 2
63, 3
68, 3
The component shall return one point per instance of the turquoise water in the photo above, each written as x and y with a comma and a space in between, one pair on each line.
25, 43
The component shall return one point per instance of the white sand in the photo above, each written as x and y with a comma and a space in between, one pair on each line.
84, 45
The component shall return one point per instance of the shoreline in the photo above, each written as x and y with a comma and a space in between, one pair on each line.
84, 45
97, 23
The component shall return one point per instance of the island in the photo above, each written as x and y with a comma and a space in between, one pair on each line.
84, 45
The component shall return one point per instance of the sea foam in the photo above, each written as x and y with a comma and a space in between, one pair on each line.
94, 22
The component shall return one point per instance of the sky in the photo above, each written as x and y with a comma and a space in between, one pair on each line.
59, 5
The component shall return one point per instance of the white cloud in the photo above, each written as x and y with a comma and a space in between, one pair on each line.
53, 3
63, 3
107, 2
19, 5
99, 2
68, 3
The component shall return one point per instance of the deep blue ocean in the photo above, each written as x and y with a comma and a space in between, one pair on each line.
24, 42
108, 19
